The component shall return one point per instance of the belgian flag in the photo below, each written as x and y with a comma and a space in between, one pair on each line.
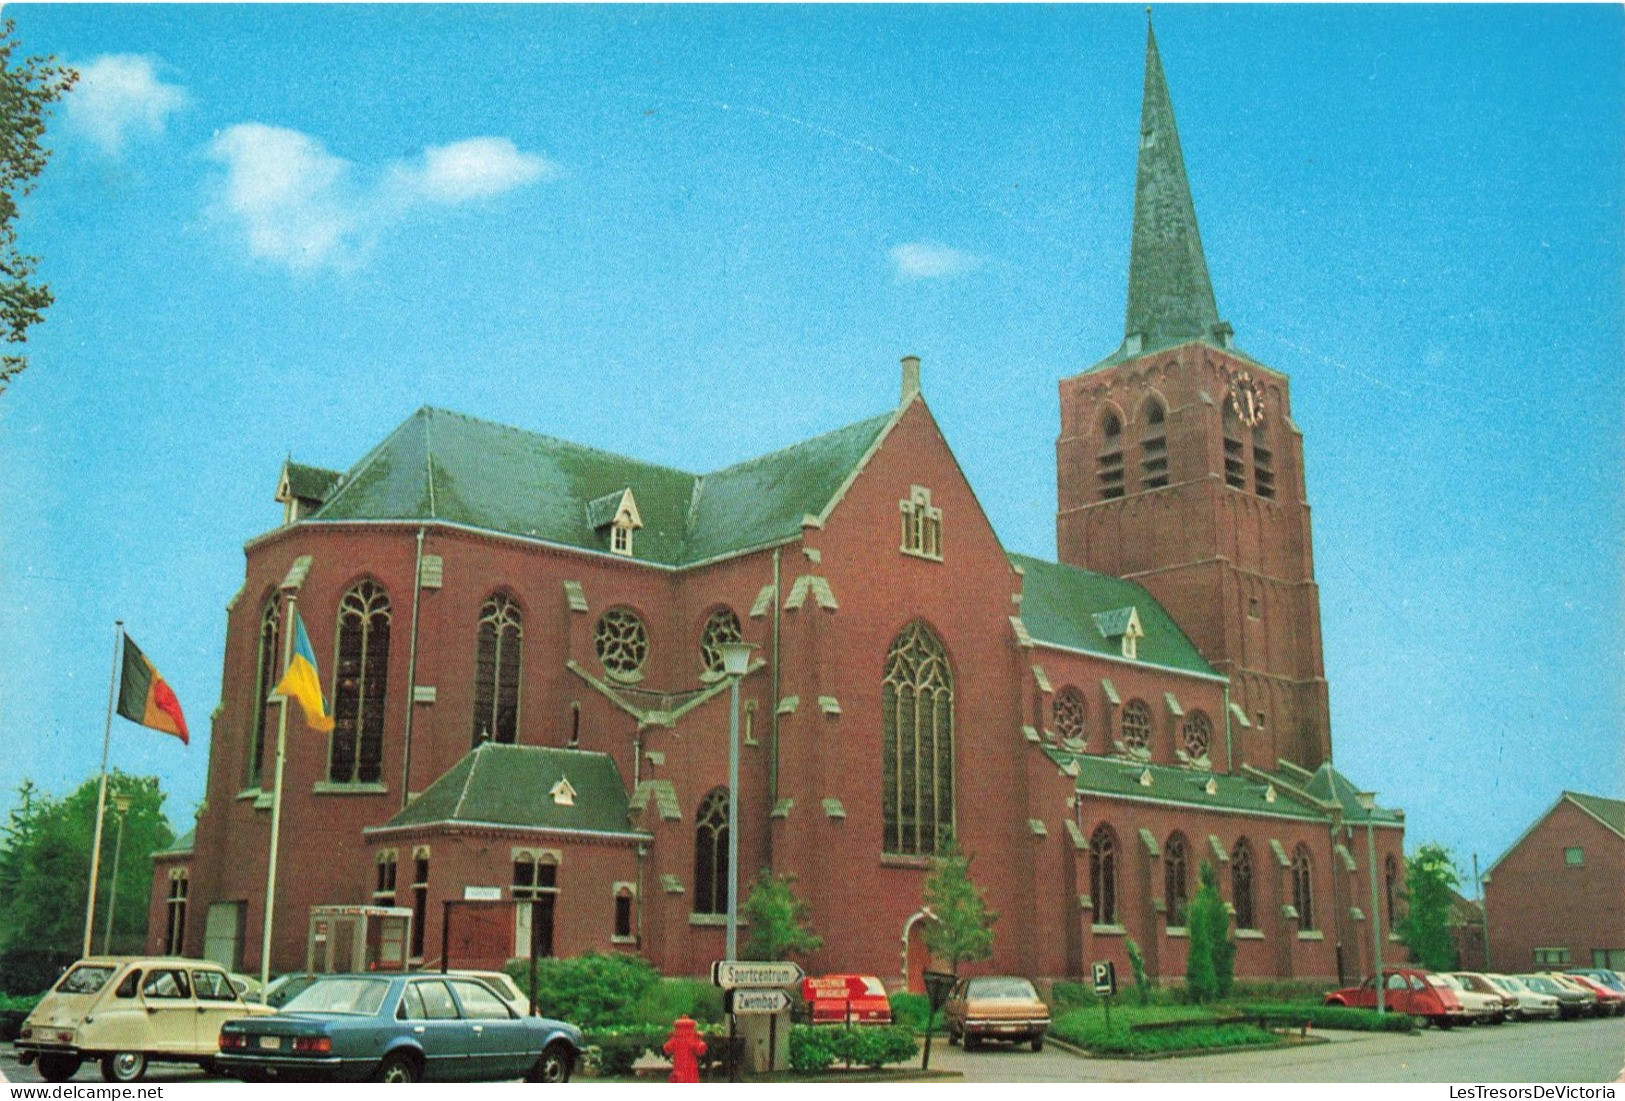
145, 697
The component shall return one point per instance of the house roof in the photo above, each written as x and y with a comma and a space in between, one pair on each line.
1121, 778
309, 483
182, 846
512, 785
1328, 785
1610, 812
446, 466
1059, 605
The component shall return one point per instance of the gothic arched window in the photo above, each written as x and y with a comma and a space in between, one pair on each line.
496, 671
265, 677
362, 684
1103, 874
1197, 736
711, 854
1241, 884
722, 626
1137, 726
1303, 895
1068, 715
917, 754
1176, 877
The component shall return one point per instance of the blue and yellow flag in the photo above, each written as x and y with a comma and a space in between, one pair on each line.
301, 682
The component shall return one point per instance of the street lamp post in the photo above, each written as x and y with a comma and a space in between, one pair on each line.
735, 661
121, 804
1368, 803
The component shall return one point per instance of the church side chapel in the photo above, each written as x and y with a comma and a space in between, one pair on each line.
521, 641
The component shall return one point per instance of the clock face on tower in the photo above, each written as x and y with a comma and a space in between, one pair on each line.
1247, 399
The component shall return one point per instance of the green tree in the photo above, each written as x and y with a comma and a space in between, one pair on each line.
778, 920
1136, 963
45, 866
1431, 879
963, 931
27, 90
1210, 961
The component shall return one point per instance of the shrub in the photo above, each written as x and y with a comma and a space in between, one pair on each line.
669, 999
909, 1011
1071, 995
819, 1047
1331, 1016
1136, 962
812, 1048
592, 990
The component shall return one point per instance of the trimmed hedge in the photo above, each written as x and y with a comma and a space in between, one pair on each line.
612, 1051
1332, 1016
816, 1048
1192, 1030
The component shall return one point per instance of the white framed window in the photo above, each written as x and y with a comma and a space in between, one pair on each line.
922, 525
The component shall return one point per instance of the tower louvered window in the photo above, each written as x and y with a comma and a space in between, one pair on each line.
1263, 464
357, 752
1103, 875
711, 854
1235, 455
496, 671
265, 678
1109, 461
1241, 884
1154, 447
917, 754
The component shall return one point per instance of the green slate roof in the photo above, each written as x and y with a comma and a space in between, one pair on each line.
1115, 776
1059, 604
309, 483
1611, 811
446, 466
183, 846
1333, 787
511, 785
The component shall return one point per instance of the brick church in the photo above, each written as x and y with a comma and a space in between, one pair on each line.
519, 637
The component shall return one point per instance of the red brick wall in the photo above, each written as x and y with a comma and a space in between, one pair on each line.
1536, 900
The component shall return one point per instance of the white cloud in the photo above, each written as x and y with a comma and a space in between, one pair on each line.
301, 205
291, 196
119, 97
476, 168
928, 260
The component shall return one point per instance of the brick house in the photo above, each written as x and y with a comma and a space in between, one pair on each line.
520, 641
1556, 898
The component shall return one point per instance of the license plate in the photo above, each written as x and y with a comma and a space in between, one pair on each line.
270, 1043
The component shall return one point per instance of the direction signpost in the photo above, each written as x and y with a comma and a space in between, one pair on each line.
755, 990
745, 1000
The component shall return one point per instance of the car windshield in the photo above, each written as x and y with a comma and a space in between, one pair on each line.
1539, 984
1608, 979
1507, 982
1001, 988
85, 979
356, 997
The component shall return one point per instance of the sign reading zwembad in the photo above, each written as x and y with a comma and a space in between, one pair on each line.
758, 1000
731, 973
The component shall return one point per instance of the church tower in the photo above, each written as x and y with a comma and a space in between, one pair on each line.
1178, 466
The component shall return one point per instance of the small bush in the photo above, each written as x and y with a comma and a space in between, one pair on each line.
594, 990
1071, 995
670, 999
910, 1010
812, 1048
1284, 990
818, 1047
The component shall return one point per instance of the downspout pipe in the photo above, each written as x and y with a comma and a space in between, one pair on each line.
412, 672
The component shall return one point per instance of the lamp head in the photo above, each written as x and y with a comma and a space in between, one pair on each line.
121, 802
736, 657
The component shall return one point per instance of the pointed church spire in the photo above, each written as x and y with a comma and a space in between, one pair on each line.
1170, 299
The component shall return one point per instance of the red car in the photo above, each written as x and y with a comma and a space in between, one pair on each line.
1609, 1000
1421, 994
841, 999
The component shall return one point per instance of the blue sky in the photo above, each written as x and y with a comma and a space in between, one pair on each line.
694, 234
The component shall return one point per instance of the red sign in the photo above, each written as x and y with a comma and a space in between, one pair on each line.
833, 987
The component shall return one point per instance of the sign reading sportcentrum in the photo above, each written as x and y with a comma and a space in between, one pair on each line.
731, 973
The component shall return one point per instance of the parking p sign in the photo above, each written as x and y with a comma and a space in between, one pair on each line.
1105, 975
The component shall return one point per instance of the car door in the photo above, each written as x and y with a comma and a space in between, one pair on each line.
430, 1016
1397, 996
217, 1003
121, 1017
166, 997
501, 1044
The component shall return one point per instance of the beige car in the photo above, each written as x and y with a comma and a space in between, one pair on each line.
995, 1008
126, 1011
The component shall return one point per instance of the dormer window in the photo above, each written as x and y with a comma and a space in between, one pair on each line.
618, 514
922, 525
301, 489
1121, 625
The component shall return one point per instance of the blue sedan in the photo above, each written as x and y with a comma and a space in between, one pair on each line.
399, 1028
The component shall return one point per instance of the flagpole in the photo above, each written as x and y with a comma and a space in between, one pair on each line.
289, 629
101, 797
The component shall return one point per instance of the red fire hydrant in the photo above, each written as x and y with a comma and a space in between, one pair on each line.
685, 1048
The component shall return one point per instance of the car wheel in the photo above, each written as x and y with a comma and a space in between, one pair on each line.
972, 1041
1443, 1023
397, 1067
124, 1066
59, 1068
553, 1065
1038, 1043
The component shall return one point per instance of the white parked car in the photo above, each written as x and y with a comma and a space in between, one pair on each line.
125, 1011
1480, 1006
1527, 1002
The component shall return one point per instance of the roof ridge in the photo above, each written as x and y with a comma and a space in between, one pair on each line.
810, 440
352, 475
533, 434
468, 781
428, 459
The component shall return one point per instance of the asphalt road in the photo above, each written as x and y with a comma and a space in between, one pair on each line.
1533, 1051
1537, 1051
